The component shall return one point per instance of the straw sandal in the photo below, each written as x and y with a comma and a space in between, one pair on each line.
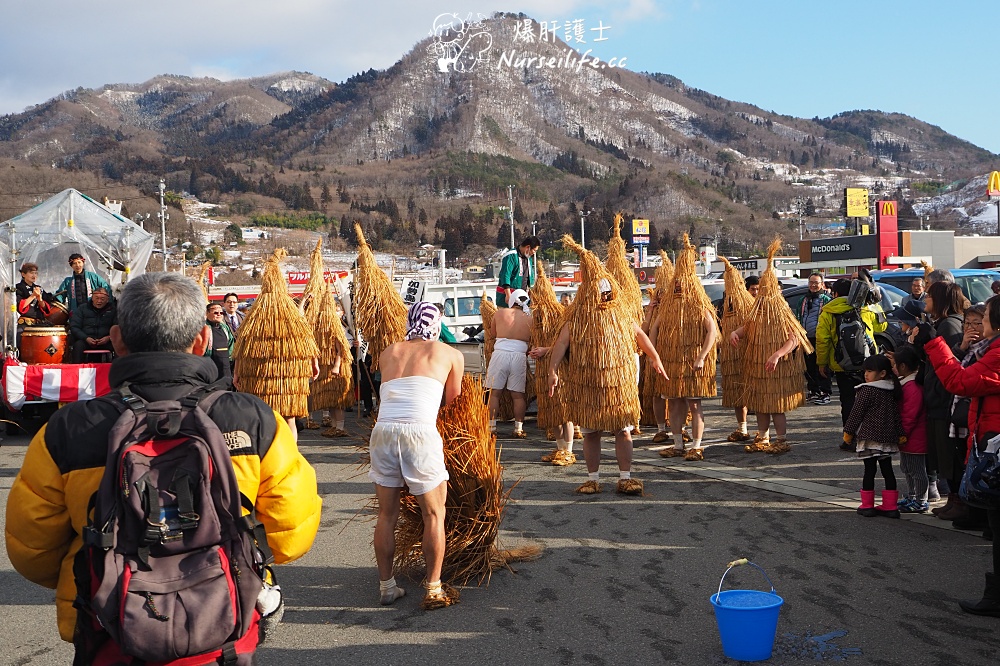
576, 433
629, 487
661, 437
759, 444
637, 430
672, 452
550, 435
311, 425
439, 596
738, 436
549, 457
589, 488
563, 458
694, 454
686, 436
327, 421
520, 434
334, 432
778, 446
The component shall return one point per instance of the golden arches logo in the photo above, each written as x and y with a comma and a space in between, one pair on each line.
888, 208
993, 189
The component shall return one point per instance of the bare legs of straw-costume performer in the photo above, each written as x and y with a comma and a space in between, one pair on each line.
775, 345
598, 343
406, 448
685, 333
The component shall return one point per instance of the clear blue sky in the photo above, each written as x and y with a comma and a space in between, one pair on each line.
804, 58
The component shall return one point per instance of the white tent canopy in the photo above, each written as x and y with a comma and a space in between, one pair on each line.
70, 222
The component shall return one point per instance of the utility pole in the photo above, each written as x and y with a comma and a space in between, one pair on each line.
534, 257
583, 217
510, 210
163, 224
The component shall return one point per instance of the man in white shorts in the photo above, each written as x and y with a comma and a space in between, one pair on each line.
511, 327
406, 449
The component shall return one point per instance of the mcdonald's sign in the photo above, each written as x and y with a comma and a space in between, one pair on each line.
887, 208
887, 215
993, 185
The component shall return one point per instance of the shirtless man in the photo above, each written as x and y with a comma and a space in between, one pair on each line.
511, 327
406, 449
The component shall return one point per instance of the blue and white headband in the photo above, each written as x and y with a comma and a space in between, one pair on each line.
423, 321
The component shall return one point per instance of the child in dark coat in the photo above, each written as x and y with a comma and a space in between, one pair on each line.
875, 429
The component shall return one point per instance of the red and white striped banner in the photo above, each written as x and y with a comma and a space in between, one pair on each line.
54, 383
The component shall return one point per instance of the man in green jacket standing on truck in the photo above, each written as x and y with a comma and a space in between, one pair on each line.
517, 271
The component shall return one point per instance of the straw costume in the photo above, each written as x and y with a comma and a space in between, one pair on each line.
736, 306
546, 321
275, 349
770, 325
379, 311
651, 410
331, 390
598, 370
476, 499
202, 279
621, 269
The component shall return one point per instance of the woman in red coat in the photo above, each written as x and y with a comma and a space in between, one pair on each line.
980, 381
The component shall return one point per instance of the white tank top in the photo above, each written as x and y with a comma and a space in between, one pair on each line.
410, 400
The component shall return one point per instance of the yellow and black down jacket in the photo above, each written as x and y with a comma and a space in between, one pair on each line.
47, 508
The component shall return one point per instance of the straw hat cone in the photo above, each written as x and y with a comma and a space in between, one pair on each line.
647, 381
379, 311
546, 322
202, 279
620, 267
476, 497
736, 307
768, 327
275, 347
331, 389
681, 332
599, 374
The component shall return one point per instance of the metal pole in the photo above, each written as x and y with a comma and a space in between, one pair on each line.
998, 217
583, 243
534, 257
510, 211
163, 225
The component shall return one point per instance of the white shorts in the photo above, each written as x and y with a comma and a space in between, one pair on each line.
410, 454
508, 370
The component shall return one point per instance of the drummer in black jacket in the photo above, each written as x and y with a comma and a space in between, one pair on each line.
33, 302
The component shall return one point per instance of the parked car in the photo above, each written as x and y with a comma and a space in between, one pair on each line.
975, 282
888, 340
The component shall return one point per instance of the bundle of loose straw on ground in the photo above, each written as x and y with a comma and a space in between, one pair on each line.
600, 388
736, 307
330, 390
768, 327
275, 347
379, 311
476, 497
681, 332
546, 322
619, 266
664, 277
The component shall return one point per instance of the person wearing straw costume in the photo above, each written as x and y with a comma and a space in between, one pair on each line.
331, 392
406, 448
651, 399
686, 332
601, 390
736, 307
276, 354
546, 321
621, 269
775, 345
379, 311
508, 367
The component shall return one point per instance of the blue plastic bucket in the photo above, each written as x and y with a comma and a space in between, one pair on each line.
747, 619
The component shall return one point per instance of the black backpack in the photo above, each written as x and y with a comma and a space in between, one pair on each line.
854, 344
169, 568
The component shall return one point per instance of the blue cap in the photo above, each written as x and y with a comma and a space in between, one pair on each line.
911, 312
